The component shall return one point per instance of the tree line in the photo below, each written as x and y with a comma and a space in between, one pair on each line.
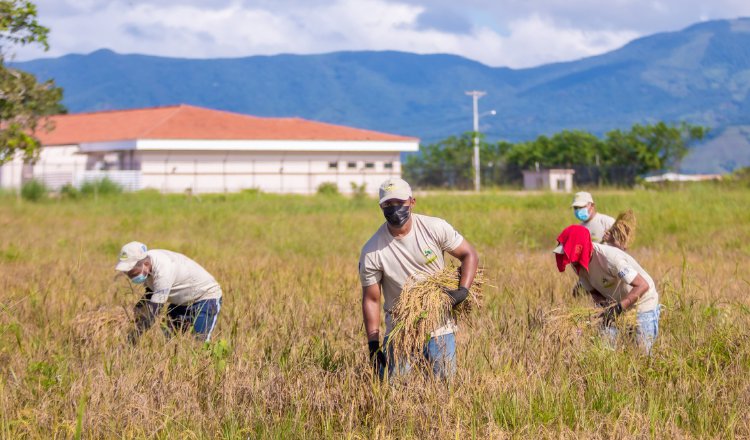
618, 157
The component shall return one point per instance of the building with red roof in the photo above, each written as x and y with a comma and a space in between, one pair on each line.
186, 148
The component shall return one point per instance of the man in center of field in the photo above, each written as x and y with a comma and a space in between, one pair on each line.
405, 245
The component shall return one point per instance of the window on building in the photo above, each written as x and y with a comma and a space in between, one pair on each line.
388, 165
333, 165
351, 165
369, 165
561, 184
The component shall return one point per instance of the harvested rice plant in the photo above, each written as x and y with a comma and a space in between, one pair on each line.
289, 356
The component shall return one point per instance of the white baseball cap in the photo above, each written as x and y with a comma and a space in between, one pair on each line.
394, 188
130, 255
581, 199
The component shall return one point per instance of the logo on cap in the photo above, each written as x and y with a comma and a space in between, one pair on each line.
123, 256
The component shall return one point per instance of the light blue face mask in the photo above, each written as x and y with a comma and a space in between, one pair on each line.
582, 214
139, 279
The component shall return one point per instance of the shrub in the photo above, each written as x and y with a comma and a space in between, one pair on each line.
359, 191
328, 189
100, 187
34, 190
69, 191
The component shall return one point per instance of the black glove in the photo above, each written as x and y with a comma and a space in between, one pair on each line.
377, 357
458, 296
610, 313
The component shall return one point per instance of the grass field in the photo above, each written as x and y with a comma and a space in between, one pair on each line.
289, 356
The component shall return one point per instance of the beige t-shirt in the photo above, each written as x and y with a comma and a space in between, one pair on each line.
389, 261
611, 271
598, 225
178, 280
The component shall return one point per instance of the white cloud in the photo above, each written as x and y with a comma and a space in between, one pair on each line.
515, 33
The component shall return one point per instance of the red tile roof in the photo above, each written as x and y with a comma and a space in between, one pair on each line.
189, 122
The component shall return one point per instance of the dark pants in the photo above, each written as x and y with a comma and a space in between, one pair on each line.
200, 317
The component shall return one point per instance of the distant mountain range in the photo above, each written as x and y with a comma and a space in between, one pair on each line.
700, 74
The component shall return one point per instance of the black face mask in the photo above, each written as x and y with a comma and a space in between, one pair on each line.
397, 216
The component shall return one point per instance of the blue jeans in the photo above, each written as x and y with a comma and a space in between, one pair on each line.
200, 317
645, 333
439, 352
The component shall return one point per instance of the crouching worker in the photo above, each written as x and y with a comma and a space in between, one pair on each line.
615, 281
192, 295
404, 245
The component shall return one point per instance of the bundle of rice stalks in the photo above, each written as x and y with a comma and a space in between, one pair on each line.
575, 319
424, 307
622, 232
101, 326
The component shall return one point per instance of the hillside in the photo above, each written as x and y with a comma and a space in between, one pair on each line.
700, 74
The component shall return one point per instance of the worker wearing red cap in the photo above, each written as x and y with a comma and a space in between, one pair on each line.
615, 281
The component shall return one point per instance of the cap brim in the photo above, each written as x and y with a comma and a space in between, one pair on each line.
558, 250
402, 197
124, 266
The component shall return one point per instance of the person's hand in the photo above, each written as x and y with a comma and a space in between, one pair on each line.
377, 357
458, 296
610, 313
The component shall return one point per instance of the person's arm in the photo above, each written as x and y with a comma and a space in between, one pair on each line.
144, 314
467, 255
469, 259
598, 298
371, 311
640, 287
371, 318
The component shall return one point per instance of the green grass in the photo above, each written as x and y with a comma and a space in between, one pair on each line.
289, 358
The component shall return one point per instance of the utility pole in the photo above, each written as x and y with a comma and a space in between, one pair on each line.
475, 94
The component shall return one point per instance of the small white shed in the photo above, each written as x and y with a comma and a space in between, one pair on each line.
557, 180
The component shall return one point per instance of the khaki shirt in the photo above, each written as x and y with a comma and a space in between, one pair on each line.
390, 261
176, 279
611, 271
598, 225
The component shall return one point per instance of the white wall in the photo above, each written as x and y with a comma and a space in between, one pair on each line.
290, 172
215, 171
10, 174
56, 166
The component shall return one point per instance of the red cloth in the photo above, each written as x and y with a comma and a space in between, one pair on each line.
576, 243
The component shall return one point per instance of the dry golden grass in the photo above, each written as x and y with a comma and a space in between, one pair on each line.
103, 326
622, 232
289, 356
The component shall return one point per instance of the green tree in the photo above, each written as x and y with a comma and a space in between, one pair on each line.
24, 102
663, 146
449, 163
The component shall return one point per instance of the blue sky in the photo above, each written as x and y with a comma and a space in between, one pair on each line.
513, 33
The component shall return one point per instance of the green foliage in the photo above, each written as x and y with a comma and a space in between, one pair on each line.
359, 191
69, 191
18, 24
100, 187
24, 101
34, 190
328, 189
642, 149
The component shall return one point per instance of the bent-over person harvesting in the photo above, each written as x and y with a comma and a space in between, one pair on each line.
192, 295
615, 281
